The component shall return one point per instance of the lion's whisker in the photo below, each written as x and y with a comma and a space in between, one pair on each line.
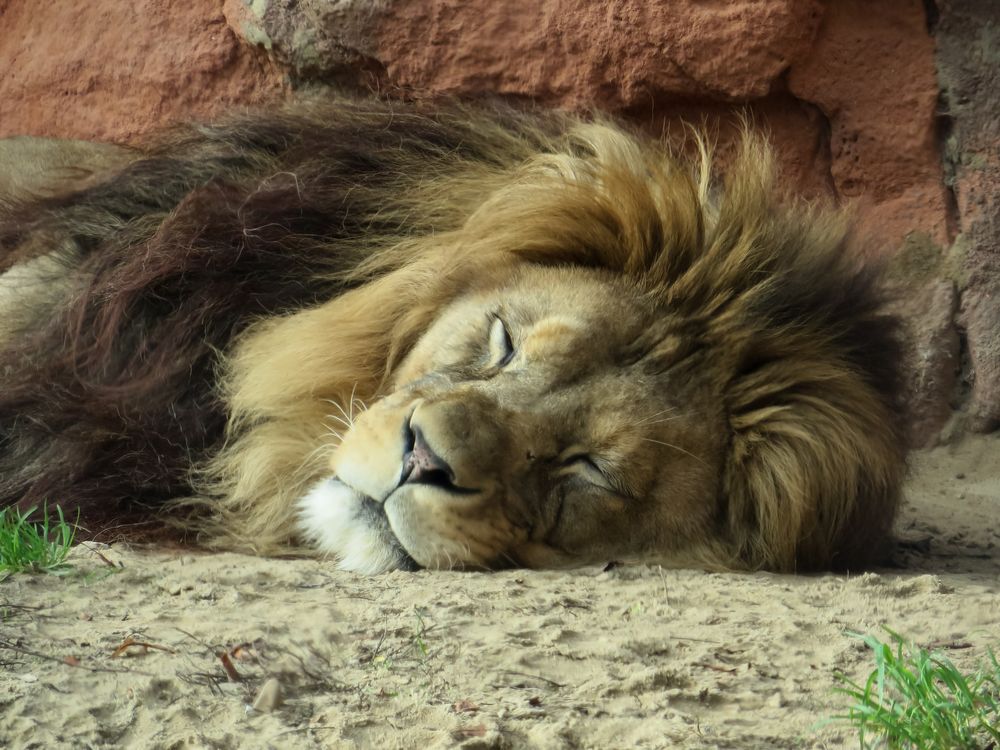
311, 455
341, 420
362, 406
653, 416
646, 419
699, 459
507, 558
646, 423
340, 408
350, 406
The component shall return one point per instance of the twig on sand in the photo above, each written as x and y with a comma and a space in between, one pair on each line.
294, 730
534, 677
103, 558
196, 639
68, 662
714, 667
949, 645
222, 654
129, 642
20, 607
695, 640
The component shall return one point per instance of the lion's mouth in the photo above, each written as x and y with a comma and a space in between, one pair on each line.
372, 513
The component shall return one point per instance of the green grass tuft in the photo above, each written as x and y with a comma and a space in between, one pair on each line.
38, 546
919, 700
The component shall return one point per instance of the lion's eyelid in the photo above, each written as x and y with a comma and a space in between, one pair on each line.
500, 342
587, 466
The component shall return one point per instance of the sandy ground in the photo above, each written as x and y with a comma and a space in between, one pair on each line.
631, 657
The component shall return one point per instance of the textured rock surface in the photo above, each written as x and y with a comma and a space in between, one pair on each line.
329, 41
848, 90
872, 74
581, 53
927, 302
968, 36
108, 70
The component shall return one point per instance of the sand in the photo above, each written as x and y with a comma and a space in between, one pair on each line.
591, 658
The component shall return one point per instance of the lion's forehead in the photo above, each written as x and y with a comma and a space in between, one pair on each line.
557, 335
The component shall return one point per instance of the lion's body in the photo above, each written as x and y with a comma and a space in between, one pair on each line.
182, 332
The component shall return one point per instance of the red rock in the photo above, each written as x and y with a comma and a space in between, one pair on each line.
577, 53
872, 74
327, 40
108, 70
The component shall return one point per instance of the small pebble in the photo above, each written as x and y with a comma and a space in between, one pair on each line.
268, 697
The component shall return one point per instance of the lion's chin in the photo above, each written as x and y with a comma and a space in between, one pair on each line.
340, 521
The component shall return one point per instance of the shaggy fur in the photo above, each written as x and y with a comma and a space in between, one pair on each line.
218, 293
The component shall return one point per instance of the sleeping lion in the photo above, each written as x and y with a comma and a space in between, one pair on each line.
445, 338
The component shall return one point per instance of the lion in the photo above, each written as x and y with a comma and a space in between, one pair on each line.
450, 336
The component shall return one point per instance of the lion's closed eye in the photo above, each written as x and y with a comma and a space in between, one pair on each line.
588, 468
501, 346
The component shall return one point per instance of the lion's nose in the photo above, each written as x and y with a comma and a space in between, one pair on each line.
421, 465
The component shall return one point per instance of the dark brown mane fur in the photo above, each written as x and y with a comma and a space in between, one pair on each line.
108, 396
111, 397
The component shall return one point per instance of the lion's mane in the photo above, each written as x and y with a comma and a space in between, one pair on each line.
235, 279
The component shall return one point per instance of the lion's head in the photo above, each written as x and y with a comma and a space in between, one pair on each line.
545, 421
660, 376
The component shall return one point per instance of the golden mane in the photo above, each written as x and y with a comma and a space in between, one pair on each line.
432, 205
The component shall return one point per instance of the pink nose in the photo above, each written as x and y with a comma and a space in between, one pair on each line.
421, 465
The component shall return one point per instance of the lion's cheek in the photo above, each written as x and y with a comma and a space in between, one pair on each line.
440, 530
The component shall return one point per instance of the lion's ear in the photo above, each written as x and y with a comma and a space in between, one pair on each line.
813, 475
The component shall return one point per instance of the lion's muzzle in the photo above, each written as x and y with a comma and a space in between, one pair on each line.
421, 465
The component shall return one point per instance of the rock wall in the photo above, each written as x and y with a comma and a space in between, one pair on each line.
968, 60
891, 105
110, 70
